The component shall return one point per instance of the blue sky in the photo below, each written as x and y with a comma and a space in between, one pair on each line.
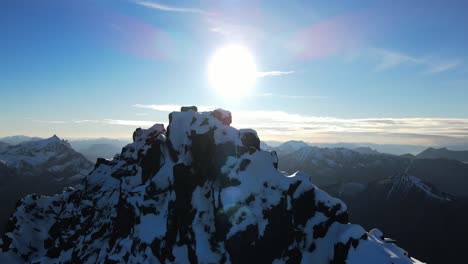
372, 71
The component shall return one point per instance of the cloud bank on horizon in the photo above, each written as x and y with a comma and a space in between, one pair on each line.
283, 126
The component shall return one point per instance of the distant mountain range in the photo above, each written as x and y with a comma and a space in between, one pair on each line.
13, 140
443, 153
93, 149
403, 195
395, 149
42, 166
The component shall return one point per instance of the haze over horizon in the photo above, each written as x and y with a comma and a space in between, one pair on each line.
376, 72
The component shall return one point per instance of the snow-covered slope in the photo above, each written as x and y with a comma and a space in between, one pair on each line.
403, 185
407, 207
200, 192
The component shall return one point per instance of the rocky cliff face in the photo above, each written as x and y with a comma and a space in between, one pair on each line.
199, 192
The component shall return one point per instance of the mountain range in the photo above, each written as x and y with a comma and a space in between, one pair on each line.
394, 149
404, 196
14, 140
93, 149
200, 192
443, 153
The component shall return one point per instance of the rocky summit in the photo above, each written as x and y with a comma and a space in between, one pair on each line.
199, 192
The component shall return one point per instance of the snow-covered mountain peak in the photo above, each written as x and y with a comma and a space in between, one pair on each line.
35, 152
200, 192
52, 141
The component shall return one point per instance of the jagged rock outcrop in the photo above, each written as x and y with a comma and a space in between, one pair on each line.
200, 192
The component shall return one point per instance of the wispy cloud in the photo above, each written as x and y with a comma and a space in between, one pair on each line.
170, 108
391, 59
442, 67
289, 96
387, 59
130, 122
122, 122
274, 73
168, 8
50, 121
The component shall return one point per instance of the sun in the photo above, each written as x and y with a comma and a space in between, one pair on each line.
232, 71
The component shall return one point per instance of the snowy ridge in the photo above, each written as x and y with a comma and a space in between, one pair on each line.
200, 192
407, 183
333, 157
291, 146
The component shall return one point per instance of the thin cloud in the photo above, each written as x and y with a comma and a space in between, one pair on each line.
391, 59
144, 123
130, 122
171, 108
51, 121
274, 73
442, 67
289, 96
86, 121
168, 8
387, 59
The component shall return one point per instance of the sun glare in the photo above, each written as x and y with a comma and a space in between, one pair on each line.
232, 71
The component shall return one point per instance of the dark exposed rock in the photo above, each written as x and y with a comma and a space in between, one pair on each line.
244, 163
100, 161
188, 108
151, 162
250, 139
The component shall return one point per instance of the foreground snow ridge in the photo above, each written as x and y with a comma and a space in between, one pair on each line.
200, 192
